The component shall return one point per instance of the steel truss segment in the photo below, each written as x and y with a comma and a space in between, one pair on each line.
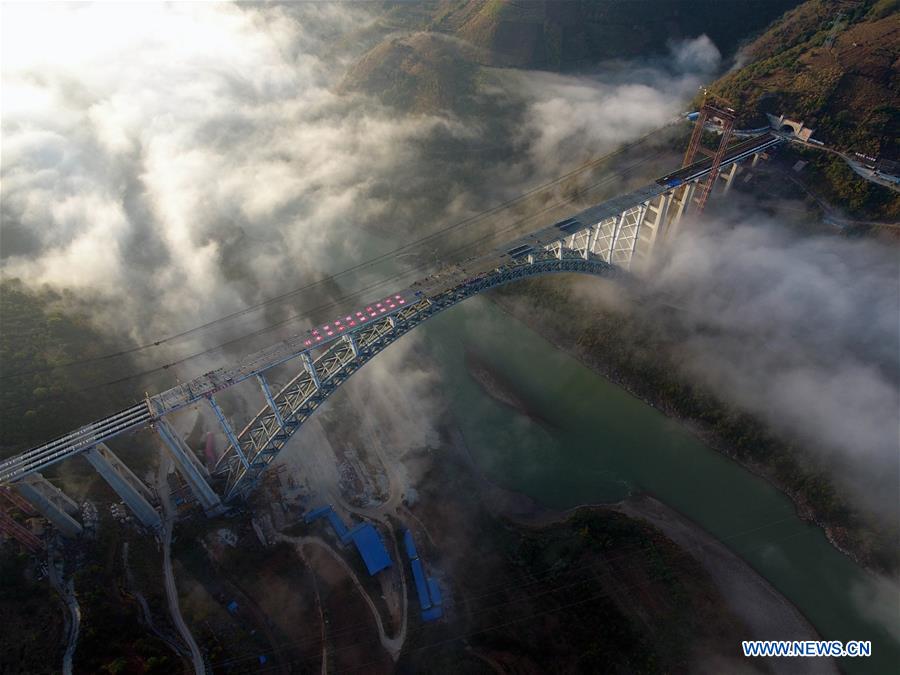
627, 235
603, 234
340, 361
611, 239
226, 427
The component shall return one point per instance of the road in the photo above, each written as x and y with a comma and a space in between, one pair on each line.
855, 166
66, 590
171, 590
145, 607
320, 467
392, 645
829, 213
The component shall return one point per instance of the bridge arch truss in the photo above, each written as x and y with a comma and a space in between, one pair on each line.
606, 239
263, 438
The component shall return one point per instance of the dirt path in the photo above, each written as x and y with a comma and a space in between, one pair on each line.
146, 614
392, 645
66, 590
171, 590
320, 465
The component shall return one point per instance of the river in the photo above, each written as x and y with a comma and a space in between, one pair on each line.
588, 441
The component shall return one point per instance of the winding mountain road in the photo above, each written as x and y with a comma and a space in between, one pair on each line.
171, 590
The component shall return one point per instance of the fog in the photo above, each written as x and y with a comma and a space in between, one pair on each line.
174, 163
171, 164
803, 331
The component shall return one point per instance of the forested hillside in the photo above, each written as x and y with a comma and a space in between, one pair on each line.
40, 332
833, 65
431, 64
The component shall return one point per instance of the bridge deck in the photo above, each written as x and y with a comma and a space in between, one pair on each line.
733, 154
356, 320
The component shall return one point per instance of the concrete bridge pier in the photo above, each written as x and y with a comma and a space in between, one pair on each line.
189, 469
728, 177
681, 204
656, 218
128, 486
51, 502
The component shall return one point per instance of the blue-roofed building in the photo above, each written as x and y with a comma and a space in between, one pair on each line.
418, 573
427, 589
370, 546
435, 592
410, 545
364, 536
432, 614
336, 523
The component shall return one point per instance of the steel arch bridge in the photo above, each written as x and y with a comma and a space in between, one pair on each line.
605, 239
269, 431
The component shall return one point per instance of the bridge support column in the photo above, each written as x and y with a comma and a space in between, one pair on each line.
592, 240
682, 205
353, 345
123, 481
728, 176
311, 369
267, 392
179, 452
638, 222
655, 219
51, 502
229, 432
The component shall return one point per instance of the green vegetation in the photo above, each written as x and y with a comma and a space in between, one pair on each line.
631, 351
31, 614
599, 592
40, 331
112, 640
420, 73
438, 67
838, 77
561, 35
829, 178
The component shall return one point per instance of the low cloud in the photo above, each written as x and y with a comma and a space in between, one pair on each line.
803, 331
175, 163
187, 160
575, 117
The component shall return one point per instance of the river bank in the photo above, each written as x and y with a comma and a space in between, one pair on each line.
605, 445
513, 303
765, 612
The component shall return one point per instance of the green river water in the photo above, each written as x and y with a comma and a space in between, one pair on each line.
599, 444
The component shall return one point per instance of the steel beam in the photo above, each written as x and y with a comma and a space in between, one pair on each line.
615, 236
267, 392
21, 534
229, 432
51, 502
637, 232
351, 340
298, 400
311, 369
179, 452
123, 481
17, 500
728, 176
